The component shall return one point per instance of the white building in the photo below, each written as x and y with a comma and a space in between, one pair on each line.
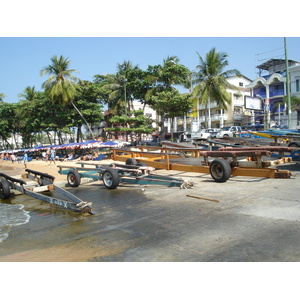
235, 114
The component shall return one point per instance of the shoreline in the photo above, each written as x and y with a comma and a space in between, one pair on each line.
62, 252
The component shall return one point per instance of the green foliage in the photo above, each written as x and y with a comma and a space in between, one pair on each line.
137, 123
171, 103
60, 85
211, 79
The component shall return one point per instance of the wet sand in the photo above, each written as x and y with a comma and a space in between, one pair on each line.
61, 252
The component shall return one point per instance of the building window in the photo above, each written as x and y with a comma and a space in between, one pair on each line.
297, 85
241, 84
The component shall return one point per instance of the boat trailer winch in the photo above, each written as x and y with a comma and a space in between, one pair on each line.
113, 174
42, 182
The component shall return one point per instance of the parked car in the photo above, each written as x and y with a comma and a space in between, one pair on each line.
199, 135
204, 134
225, 132
213, 132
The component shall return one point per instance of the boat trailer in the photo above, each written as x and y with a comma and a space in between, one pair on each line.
43, 182
219, 164
113, 174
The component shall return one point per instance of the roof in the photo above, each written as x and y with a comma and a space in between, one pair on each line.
274, 62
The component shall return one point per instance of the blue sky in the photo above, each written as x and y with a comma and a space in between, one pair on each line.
96, 36
22, 58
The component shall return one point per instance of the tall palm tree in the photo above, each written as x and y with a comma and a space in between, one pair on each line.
120, 96
211, 79
60, 86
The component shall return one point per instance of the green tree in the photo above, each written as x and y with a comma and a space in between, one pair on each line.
137, 124
29, 94
211, 80
88, 100
121, 87
60, 86
8, 121
164, 78
295, 105
171, 104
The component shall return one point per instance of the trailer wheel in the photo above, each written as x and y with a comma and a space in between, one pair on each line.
4, 189
74, 178
110, 178
220, 170
131, 161
293, 145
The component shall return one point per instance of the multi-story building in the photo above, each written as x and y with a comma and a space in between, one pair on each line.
295, 91
270, 87
235, 114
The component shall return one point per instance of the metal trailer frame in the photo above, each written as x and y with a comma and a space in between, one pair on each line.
43, 182
252, 164
113, 174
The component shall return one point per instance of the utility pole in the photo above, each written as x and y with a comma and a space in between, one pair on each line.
288, 85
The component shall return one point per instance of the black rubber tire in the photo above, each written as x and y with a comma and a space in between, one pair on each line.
294, 145
4, 189
110, 178
131, 161
74, 178
220, 170
225, 136
142, 164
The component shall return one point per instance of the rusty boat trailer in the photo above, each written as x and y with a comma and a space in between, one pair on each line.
221, 164
43, 182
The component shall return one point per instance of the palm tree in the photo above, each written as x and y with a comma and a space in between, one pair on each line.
120, 96
211, 80
29, 95
1, 97
164, 78
60, 86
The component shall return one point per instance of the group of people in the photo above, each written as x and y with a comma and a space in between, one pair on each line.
49, 156
13, 158
89, 156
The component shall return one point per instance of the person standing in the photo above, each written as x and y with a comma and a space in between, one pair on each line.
25, 159
52, 156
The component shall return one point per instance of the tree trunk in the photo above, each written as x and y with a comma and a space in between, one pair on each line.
172, 129
83, 118
48, 134
15, 141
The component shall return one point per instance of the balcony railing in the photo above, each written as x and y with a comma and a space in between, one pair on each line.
277, 93
216, 117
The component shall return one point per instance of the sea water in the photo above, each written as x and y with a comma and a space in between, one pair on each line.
11, 215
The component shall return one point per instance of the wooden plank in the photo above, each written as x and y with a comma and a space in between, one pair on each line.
203, 198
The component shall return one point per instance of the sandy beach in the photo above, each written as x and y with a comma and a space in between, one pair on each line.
15, 169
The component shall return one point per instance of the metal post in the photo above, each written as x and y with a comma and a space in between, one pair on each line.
288, 85
125, 97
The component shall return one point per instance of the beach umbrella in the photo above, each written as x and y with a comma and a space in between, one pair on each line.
109, 144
